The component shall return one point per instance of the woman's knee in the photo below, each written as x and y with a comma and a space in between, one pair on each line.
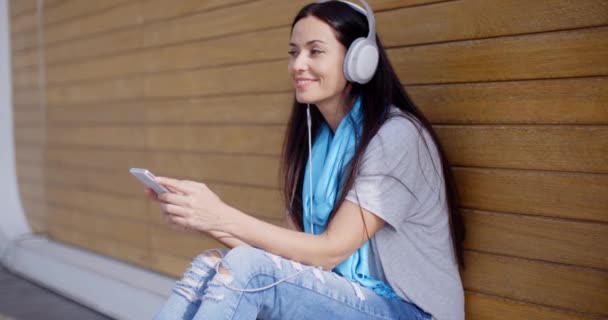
209, 258
245, 261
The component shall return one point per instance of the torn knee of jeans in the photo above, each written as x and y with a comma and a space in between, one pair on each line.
224, 275
211, 257
189, 294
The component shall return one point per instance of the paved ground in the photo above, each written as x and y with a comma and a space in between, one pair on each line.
24, 300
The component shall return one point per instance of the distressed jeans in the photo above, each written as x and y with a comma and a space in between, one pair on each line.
307, 293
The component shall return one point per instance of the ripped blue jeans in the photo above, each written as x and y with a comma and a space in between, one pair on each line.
310, 293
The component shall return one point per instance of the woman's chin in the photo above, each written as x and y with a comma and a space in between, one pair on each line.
305, 99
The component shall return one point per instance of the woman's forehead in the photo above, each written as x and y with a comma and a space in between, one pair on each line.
311, 30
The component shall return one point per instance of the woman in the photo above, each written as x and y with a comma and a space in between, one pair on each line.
372, 230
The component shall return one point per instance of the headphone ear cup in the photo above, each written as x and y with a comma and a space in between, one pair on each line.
361, 61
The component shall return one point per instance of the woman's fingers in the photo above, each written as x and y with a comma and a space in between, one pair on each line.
176, 185
151, 194
176, 199
172, 209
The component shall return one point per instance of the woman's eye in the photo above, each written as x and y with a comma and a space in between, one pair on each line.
315, 51
291, 53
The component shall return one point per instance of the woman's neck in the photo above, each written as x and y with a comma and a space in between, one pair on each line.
334, 110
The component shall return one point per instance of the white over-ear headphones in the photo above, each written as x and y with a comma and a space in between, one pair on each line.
361, 59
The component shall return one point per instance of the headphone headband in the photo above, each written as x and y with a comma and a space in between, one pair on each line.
369, 14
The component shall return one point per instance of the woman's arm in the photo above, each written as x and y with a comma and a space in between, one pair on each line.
344, 234
197, 207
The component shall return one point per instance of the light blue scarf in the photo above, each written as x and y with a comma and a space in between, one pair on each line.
330, 156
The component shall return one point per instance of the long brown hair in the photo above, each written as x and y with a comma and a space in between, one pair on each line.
383, 90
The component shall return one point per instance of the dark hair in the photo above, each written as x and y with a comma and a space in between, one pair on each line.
383, 90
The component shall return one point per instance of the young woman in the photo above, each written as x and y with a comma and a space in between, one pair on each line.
372, 227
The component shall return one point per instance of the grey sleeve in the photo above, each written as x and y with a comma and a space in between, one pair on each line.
389, 183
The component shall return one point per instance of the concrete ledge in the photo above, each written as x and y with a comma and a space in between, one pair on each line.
114, 288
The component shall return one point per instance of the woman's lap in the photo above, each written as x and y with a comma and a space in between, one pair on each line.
308, 293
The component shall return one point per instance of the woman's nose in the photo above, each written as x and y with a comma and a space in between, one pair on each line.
300, 63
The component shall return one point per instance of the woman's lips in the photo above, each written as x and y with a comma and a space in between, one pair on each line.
303, 83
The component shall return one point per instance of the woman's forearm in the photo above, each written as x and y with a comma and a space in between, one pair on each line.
315, 250
226, 239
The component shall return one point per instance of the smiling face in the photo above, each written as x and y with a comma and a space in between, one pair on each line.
315, 63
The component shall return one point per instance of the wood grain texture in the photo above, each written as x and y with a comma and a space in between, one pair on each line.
555, 240
252, 139
557, 101
269, 77
117, 17
114, 136
272, 108
479, 306
475, 19
570, 288
160, 9
555, 148
95, 92
553, 194
102, 44
76, 9
577, 53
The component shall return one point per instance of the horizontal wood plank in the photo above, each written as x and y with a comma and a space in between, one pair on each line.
556, 148
99, 68
95, 92
129, 232
19, 7
75, 9
219, 51
25, 41
546, 55
123, 136
272, 108
549, 239
553, 194
29, 154
99, 244
112, 113
29, 135
161, 9
269, 77
32, 191
231, 20
515, 102
102, 44
233, 169
117, 17
31, 172
93, 159
253, 139
28, 117
479, 306
25, 22
110, 205
25, 59
571, 288
474, 19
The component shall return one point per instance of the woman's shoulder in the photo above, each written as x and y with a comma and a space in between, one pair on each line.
399, 129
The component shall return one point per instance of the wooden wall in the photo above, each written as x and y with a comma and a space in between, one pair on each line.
518, 91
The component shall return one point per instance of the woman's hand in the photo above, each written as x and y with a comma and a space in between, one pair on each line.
191, 205
165, 215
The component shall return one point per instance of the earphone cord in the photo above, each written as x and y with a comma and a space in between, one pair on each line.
262, 288
309, 123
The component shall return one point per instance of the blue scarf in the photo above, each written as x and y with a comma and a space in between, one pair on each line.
330, 156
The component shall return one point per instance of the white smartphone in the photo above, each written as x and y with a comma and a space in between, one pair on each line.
147, 178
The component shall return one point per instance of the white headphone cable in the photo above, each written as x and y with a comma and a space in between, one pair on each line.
309, 124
